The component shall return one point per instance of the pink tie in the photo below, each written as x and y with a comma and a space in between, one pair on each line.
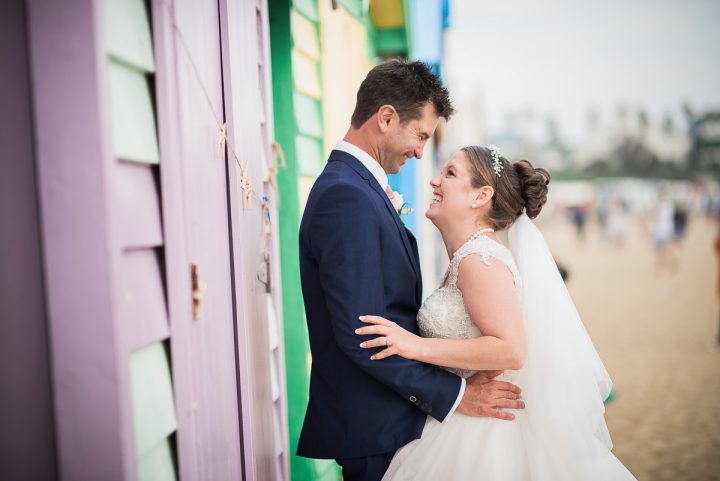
389, 193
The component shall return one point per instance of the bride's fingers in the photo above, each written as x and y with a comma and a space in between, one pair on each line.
374, 320
383, 354
377, 342
364, 331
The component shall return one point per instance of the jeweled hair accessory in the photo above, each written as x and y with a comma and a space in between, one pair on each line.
495, 156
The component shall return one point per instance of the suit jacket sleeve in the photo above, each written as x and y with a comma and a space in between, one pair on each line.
345, 242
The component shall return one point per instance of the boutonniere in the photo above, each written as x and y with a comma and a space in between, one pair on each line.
399, 203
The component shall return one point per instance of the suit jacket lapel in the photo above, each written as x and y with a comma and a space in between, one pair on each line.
364, 173
416, 256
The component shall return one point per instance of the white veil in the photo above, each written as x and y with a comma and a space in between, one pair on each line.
564, 381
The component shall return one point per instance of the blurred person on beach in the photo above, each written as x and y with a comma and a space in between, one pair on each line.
663, 234
578, 217
680, 220
616, 222
717, 254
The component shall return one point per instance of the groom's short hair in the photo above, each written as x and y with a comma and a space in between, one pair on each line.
405, 85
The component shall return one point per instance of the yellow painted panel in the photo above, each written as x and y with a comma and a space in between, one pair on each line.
305, 73
387, 13
304, 186
346, 62
304, 35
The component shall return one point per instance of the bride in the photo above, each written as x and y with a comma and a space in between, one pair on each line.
507, 310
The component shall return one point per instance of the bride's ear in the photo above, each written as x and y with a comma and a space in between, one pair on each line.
483, 196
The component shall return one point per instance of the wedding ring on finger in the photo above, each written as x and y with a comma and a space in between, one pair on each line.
387, 341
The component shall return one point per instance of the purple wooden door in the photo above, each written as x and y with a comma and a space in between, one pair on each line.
213, 400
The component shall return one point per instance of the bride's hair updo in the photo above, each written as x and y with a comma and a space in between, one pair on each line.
519, 186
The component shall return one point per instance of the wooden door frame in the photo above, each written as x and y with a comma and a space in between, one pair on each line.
92, 410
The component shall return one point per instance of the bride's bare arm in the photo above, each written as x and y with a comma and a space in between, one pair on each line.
491, 301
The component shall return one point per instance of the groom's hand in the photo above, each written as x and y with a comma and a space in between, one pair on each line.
484, 397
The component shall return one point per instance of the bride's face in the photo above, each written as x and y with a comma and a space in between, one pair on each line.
453, 194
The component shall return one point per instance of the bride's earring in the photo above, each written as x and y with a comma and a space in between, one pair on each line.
474, 205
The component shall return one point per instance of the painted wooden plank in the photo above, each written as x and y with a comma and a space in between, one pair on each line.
308, 115
142, 310
356, 8
132, 114
28, 436
138, 205
304, 34
387, 13
305, 74
307, 8
158, 464
211, 345
305, 183
72, 159
273, 327
274, 385
178, 283
128, 33
151, 394
310, 158
278, 422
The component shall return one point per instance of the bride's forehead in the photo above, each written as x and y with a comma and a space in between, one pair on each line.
456, 161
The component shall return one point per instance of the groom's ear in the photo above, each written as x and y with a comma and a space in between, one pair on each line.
385, 117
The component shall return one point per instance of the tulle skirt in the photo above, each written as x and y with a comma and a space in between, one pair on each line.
464, 448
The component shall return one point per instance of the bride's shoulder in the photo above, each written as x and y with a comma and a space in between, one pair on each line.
477, 266
485, 260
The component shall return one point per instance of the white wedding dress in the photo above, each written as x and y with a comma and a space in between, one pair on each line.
545, 442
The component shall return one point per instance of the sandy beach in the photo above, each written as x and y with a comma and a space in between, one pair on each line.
654, 331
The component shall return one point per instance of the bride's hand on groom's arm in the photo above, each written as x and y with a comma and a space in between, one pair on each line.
395, 339
486, 397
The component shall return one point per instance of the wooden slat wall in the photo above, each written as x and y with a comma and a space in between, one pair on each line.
142, 311
271, 238
27, 436
306, 55
259, 336
69, 91
211, 408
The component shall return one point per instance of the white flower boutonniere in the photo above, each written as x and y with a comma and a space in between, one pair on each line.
399, 203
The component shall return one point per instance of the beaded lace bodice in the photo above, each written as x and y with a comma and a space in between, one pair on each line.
443, 314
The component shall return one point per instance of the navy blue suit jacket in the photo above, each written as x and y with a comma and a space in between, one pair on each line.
357, 257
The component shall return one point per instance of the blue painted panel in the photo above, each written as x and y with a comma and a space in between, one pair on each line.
427, 22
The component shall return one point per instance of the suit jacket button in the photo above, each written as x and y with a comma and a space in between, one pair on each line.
413, 399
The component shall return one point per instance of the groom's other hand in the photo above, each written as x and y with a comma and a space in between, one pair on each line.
485, 397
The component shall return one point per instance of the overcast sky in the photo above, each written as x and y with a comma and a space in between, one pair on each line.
565, 56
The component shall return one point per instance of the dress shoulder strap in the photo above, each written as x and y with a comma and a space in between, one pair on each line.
486, 248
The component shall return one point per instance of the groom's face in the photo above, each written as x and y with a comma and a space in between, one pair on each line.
406, 140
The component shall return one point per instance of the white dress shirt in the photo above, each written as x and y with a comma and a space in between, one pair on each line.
379, 173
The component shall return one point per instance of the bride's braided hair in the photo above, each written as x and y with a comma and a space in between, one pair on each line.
519, 186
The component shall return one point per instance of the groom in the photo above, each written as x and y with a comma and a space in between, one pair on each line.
356, 257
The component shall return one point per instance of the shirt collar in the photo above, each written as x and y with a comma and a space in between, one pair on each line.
365, 159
